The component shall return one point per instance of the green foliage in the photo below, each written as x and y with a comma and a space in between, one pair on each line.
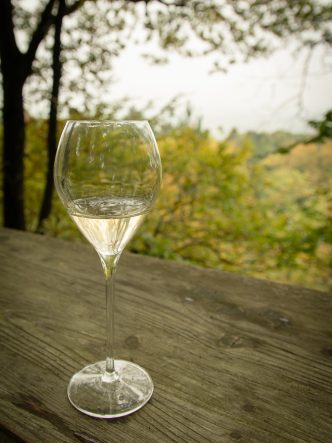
323, 130
269, 218
264, 144
323, 126
230, 204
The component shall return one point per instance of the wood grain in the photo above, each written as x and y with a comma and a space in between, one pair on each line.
233, 359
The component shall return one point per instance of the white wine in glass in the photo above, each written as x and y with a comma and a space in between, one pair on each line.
108, 174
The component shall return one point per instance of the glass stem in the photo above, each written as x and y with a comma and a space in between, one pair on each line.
109, 266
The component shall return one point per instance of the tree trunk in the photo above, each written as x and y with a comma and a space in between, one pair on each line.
13, 77
13, 148
46, 206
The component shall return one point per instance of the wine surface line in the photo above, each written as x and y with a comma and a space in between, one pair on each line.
109, 223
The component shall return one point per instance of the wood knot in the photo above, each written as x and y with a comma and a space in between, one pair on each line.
232, 310
235, 435
33, 405
248, 407
274, 319
327, 352
132, 342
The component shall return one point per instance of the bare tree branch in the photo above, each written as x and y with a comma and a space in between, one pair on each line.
70, 9
46, 20
304, 78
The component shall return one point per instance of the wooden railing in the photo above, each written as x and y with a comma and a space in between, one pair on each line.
232, 358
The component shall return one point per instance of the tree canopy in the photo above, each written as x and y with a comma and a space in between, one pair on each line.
46, 44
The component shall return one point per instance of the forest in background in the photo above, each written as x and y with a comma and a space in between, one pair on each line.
232, 204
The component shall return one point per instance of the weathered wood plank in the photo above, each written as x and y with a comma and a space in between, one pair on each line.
232, 358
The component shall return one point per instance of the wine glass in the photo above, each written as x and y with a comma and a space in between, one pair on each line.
108, 174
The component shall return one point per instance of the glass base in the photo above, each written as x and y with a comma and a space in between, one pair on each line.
110, 396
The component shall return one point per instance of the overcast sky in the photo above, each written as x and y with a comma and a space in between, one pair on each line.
263, 95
